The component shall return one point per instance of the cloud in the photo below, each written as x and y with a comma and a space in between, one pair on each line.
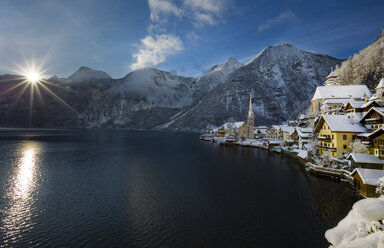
158, 7
154, 51
203, 18
283, 17
206, 12
213, 6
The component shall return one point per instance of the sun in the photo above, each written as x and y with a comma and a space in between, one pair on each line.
33, 77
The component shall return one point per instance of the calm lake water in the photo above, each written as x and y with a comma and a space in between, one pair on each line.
108, 188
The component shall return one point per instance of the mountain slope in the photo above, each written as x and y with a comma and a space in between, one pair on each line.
366, 67
280, 78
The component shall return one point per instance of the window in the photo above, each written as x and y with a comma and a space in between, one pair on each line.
344, 146
353, 137
332, 136
344, 137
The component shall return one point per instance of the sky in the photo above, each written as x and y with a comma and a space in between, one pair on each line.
185, 37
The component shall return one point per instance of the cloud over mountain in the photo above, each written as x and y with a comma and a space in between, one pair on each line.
154, 50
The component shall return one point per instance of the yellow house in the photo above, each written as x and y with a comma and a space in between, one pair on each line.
336, 132
377, 143
288, 134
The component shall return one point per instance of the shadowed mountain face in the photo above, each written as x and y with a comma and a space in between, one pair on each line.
280, 78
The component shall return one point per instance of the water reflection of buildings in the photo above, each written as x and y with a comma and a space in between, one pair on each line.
22, 186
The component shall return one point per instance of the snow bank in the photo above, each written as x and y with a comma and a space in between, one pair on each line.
363, 226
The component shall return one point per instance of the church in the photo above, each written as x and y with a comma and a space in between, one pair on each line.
246, 130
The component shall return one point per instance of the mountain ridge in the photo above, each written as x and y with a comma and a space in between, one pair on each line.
154, 99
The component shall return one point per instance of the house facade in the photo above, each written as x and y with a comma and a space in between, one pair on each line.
273, 132
335, 133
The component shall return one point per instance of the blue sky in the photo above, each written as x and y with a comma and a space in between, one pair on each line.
182, 36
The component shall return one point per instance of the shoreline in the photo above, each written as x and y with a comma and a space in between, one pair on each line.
338, 175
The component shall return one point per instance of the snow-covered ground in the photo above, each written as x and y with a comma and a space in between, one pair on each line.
363, 226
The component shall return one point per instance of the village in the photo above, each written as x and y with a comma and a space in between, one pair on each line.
342, 136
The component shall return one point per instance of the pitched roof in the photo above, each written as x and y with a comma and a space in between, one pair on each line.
305, 129
288, 129
365, 158
336, 101
355, 104
376, 109
376, 133
369, 176
381, 84
341, 123
344, 91
239, 124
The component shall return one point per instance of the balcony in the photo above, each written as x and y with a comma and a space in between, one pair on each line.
373, 120
324, 138
327, 148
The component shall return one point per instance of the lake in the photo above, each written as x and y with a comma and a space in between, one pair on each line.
118, 188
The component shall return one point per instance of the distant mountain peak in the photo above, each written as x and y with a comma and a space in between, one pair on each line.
84, 68
87, 74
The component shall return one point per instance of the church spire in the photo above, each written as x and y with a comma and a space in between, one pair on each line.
251, 121
250, 110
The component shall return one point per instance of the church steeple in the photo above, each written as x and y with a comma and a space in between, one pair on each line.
250, 121
250, 109
332, 80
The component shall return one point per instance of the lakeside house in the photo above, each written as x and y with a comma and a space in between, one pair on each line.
288, 135
365, 180
335, 133
362, 160
305, 136
376, 143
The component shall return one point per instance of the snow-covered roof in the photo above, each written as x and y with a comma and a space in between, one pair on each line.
381, 84
367, 104
239, 124
305, 129
364, 134
287, 129
356, 104
227, 125
336, 101
261, 127
377, 132
274, 141
365, 158
344, 91
332, 74
369, 176
341, 123
301, 153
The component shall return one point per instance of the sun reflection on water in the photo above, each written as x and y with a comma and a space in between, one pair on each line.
22, 186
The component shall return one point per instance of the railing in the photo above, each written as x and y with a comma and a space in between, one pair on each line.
373, 120
328, 147
324, 138
323, 169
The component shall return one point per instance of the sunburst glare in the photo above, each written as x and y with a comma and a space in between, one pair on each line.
33, 79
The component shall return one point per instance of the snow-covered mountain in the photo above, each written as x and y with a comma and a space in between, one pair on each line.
280, 78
